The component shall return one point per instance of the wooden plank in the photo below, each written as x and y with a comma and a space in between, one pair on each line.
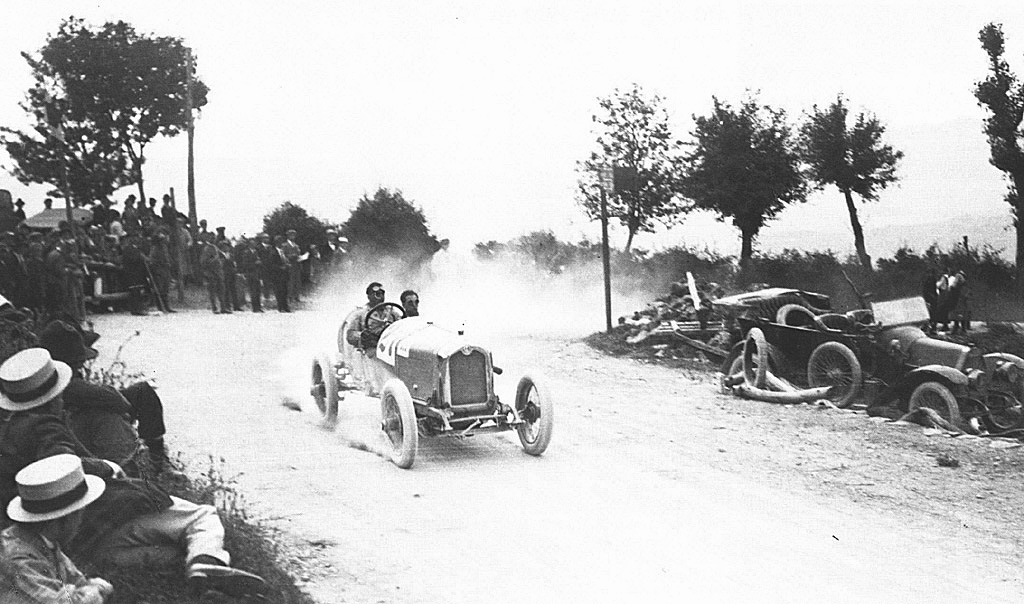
718, 352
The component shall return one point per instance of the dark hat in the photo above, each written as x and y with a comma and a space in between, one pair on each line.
19, 203
220, 228
66, 344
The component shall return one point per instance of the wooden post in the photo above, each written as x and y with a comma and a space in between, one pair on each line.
176, 240
606, 262
192, 214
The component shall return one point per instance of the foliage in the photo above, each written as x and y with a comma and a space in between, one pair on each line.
633, 132
541, 249
308, 229
389, 225
743, 166
853, 158
1002, 94
100, 96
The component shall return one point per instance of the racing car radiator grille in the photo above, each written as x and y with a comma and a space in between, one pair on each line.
468, 373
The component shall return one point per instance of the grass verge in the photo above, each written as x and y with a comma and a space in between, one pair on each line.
254, 546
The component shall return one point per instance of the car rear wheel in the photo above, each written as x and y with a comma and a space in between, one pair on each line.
833, 364
939, 398
537, 411
398, 421
324, 388
755, 358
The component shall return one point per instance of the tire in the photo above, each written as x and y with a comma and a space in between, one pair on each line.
729, 365
398, 422
537, 410
755, 358
834, 364
938, 397
323, 385
1002, 413
796, 315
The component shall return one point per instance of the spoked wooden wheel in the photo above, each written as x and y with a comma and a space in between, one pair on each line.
834, 364
537, 411
324, 388
939, 398
398, 421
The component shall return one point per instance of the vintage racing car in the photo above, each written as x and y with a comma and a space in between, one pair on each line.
431, 381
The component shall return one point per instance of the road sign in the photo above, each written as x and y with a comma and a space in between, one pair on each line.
606, 178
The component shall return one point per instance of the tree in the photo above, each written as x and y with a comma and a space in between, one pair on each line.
633, 132
743, 166
308, 229
1002, 94
389, 225
853, 158
112, 91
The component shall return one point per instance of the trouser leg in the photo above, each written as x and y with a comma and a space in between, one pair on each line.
187, 526
147, 409
253, 282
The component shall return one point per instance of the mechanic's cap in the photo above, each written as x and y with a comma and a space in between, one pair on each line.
372, 286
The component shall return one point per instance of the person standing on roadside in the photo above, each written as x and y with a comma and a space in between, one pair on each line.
212, 266
280, 273
230, 276
249, 265
292, 253
160, 268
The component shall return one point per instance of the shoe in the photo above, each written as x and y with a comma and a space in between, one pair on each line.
224, 579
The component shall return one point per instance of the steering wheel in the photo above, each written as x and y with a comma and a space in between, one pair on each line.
376, 321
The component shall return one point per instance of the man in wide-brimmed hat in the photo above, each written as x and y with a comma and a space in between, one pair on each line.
131, 515
52, 494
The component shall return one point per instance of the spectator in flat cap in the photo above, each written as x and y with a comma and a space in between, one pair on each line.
48, 511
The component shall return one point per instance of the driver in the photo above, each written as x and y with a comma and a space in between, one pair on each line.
363, 335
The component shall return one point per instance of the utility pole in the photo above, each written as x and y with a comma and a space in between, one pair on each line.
607, 181
193, 222
606, 263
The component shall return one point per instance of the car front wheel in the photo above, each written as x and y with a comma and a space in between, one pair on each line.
398, 421
537, 412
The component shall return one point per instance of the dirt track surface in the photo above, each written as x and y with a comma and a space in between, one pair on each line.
656, 488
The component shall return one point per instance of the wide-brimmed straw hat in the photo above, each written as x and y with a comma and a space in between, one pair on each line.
31, 378
66, 344
52, 488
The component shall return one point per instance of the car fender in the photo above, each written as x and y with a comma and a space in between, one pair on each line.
953, 378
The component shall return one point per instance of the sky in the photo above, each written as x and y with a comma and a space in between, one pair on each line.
478, 111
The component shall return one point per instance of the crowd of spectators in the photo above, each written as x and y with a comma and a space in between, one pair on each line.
136, 256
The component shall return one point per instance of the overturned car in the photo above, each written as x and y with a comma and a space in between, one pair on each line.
431, 382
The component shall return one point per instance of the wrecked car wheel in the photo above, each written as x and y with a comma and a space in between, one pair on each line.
939, 398
755, 358
398, 422
833, 364
536, 409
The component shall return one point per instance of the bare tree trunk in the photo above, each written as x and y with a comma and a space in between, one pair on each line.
858, 232
137, 167
629, 242
746, 249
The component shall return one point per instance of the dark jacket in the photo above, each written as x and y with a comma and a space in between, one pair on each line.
32, 435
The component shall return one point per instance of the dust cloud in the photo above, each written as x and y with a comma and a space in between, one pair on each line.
491, 300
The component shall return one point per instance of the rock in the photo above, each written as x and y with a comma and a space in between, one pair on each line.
1004, 444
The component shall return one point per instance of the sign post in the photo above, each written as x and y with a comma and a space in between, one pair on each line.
607, 183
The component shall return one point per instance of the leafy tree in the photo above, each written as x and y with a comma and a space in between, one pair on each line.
1002, 94
853, 158
743, 166
112, 91
389, 225
633, 132
308, 229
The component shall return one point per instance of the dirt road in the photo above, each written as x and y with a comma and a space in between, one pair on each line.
655, 488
